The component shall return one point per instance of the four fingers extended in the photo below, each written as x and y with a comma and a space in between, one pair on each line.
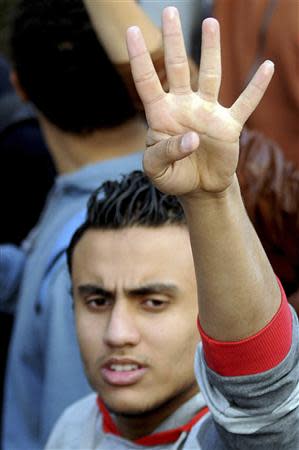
149, 86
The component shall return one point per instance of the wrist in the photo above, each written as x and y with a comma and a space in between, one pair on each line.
202, 197
212, 210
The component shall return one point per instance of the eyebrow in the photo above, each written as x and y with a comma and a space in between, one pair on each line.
93, 289
152, 288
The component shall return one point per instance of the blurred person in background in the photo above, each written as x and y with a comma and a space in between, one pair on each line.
25, 163
252, 31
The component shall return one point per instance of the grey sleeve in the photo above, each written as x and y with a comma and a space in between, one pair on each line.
257, 411
12, 262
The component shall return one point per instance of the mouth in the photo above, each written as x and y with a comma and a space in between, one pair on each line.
122, 372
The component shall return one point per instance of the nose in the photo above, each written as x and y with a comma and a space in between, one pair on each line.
121, 329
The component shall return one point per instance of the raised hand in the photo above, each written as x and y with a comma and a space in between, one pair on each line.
202, 152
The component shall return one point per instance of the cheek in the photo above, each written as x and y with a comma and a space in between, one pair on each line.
89, 337
181, 365
174, 340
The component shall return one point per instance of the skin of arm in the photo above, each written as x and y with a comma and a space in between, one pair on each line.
192, 152
111, 20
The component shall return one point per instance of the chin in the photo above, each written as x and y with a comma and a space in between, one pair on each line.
135, 400
127, 406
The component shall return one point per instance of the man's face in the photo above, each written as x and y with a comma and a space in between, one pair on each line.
136, 309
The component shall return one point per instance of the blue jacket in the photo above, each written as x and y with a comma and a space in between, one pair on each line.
45, 373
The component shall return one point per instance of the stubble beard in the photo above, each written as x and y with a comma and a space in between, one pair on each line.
173, 402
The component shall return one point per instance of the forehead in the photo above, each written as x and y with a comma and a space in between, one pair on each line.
133, 256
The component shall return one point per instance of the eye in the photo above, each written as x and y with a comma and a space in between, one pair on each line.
155, 304
98, 303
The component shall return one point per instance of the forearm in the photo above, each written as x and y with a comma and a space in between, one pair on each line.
111, 19
237, 289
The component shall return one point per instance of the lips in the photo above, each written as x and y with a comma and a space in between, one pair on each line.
122, 372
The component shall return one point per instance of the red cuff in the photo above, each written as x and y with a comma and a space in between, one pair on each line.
255, 354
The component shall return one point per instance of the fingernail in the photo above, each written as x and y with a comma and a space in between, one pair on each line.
269, 62
269, 66
135, 41
171, 12
189, 141
134, 31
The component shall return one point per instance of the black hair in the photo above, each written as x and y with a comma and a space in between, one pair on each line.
64, 69
132, 201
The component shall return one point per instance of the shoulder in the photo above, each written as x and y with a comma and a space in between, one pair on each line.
79, 410
67, 432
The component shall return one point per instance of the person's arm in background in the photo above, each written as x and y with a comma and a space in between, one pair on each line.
249, 371
121, 16
112, 33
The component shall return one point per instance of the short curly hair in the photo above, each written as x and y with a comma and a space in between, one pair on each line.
64, 69
132, 201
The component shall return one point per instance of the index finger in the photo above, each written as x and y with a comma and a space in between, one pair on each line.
144, 74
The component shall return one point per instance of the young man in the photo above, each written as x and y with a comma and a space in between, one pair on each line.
134, 283
93, 130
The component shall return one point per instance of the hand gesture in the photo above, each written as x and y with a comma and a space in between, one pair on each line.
193, 142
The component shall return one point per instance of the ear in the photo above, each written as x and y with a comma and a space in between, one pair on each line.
14, 79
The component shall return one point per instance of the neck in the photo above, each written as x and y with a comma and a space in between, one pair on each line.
70, 152
133, 427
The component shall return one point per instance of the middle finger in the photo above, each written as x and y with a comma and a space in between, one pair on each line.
176, 62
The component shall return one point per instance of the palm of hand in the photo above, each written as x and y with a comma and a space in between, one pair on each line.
212, 165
